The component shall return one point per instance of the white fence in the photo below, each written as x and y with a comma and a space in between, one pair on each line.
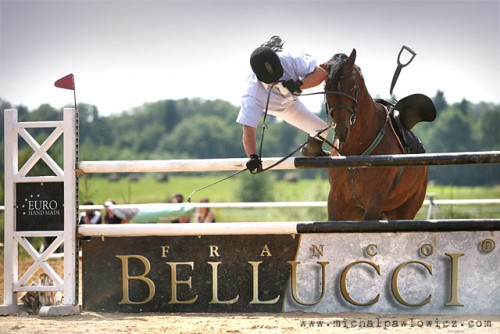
72, 168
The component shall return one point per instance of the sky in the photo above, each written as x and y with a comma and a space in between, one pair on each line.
127, 53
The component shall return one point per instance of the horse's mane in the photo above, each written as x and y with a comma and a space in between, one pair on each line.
336, 63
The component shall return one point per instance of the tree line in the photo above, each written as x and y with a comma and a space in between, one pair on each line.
203, 129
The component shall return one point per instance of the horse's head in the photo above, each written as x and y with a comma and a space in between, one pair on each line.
342, 90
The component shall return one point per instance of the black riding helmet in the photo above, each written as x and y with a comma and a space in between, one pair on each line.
266, 65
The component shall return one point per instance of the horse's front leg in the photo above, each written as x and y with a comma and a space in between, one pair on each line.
340, 208
331, 206
373, 210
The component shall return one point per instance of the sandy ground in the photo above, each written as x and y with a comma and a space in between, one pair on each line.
241, 323
90, 322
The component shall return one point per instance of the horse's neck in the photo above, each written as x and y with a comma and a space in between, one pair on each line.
370, 119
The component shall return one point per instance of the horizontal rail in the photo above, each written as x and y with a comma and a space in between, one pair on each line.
134, 230
398, 226
234, 164
200, 229
256, 205
34, 125
139, 166
307, 204
429, 159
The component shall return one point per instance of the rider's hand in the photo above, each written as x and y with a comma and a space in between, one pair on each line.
254, 165
293, 85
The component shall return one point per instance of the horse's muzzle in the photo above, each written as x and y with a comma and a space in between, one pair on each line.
342, 133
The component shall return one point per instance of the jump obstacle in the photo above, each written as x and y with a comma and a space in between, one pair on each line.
267, 261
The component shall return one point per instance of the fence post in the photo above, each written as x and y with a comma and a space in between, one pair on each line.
10, 246
15, 236
70, 149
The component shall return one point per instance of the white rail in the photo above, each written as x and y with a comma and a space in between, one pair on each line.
306, 204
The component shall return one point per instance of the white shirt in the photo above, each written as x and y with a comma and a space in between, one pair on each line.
253, 103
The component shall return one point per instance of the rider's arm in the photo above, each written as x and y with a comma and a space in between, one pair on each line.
249, 140
314, 78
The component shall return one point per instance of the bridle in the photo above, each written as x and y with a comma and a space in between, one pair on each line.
352, 109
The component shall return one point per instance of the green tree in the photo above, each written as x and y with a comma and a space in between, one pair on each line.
202, 137
44, 112
255, 188
440, 101
451, 132
489, 130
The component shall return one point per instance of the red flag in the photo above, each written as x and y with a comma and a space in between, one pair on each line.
67, 82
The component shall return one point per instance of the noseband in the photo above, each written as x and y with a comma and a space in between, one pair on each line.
354, 98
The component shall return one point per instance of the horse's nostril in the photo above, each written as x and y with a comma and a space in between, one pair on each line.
342, 133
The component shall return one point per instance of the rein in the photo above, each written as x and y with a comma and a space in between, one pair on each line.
352, 110
264, 127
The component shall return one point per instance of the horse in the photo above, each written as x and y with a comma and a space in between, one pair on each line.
363, 127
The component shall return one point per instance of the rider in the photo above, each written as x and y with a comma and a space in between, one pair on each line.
286, 74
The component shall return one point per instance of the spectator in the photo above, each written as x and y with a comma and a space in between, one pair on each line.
204, 215
90, 216
178, 198
109, 215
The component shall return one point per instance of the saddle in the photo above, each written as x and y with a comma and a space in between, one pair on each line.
405, 114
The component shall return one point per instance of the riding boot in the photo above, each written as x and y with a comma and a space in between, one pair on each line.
312, 148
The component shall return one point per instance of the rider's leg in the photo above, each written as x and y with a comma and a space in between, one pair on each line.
299, 116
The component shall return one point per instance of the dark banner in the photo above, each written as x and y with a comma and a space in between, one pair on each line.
40, 206
243, 273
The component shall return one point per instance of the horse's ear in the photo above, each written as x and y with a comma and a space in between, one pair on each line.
351, 60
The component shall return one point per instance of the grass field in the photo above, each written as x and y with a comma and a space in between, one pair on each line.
147, 189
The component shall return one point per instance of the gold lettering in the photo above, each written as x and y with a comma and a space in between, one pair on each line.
175, 282
394, 285
265, 251
215, 297
127, 278
255, 300
427, 249
343, 284
214, 251
164, 251
371, 250
454, 279
295, 295
317, 250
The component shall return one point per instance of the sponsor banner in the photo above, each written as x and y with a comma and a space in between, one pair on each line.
187, 274
406, 273
40, 206
384, 273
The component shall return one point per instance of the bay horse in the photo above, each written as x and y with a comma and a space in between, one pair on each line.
362, 127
